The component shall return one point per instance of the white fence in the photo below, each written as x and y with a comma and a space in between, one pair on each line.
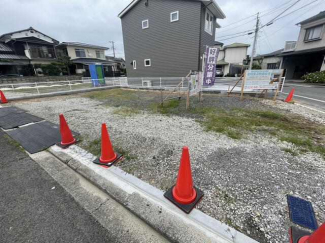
17, 90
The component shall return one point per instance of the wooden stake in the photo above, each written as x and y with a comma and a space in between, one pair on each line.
277, 90
188, 100
243, 86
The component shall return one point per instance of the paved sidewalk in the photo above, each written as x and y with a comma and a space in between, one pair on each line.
35, 208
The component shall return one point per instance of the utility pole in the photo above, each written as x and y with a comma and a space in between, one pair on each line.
113, 47
255, 40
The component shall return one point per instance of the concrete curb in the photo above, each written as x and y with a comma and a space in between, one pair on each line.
148, 202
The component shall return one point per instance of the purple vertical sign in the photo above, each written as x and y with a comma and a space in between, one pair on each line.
211, 55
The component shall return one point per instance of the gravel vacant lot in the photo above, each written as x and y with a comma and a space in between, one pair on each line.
241, 153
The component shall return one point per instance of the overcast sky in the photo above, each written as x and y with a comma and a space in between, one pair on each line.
96, 21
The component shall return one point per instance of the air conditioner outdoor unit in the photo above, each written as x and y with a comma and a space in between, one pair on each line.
146, 83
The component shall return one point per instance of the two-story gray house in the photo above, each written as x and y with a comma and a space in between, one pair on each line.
307, 54
167, 38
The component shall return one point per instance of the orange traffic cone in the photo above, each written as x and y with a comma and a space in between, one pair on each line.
290, 96
184, 192
108, 156
3, 98
317, 237
67, 138
184, 195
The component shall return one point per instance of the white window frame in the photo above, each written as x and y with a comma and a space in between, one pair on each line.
145, 64
134, 64
100, 54
312, 29
144, 21
80, 50
208, 24
171, 16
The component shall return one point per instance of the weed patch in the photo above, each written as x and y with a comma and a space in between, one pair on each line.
126, 111
94, 147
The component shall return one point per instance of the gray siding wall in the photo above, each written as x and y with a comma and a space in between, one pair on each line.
173, 47
206, 38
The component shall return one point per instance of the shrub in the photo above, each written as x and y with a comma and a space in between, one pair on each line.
317, 77
256, 66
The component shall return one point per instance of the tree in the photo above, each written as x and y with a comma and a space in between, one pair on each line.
65, 62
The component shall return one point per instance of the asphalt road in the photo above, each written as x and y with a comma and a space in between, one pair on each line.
35, 208
311, 95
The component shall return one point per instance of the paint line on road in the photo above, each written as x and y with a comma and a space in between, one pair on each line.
299, 85
313, 109
308, 98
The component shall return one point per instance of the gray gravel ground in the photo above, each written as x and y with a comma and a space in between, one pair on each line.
245, 181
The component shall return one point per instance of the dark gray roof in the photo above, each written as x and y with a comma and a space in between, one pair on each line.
272, 54
91, 61
30, 28
79, 44
12, 57
5, 48
211, 4
321, 15
319, 49
117, 59
218, 43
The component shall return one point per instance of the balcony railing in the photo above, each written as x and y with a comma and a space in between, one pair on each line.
290, 46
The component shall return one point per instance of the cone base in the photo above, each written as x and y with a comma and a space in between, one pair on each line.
186, 208
109, 160
296, 235
107, 165
182, 200
64, 146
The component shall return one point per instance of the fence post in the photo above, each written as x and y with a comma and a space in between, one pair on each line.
12, 86
182, 82
70, 85
160, 82
142, 82
37, 88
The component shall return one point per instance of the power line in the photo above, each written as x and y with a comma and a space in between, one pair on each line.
232, 37
298, 9
267, 13
236, 33
271, 22
289, 22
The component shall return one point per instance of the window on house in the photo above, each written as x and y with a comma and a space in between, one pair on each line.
145, 24
208, 22
174, 16
80, 53
134, 64
272, 66
99, 54
314, 33
147, 62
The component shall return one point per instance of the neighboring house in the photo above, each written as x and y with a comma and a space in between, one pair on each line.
30, 43
119, 65
269, 61
231, 58
307, 54
167, 38
83, 55
10, 63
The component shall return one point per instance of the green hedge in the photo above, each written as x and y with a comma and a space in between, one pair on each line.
317, 77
